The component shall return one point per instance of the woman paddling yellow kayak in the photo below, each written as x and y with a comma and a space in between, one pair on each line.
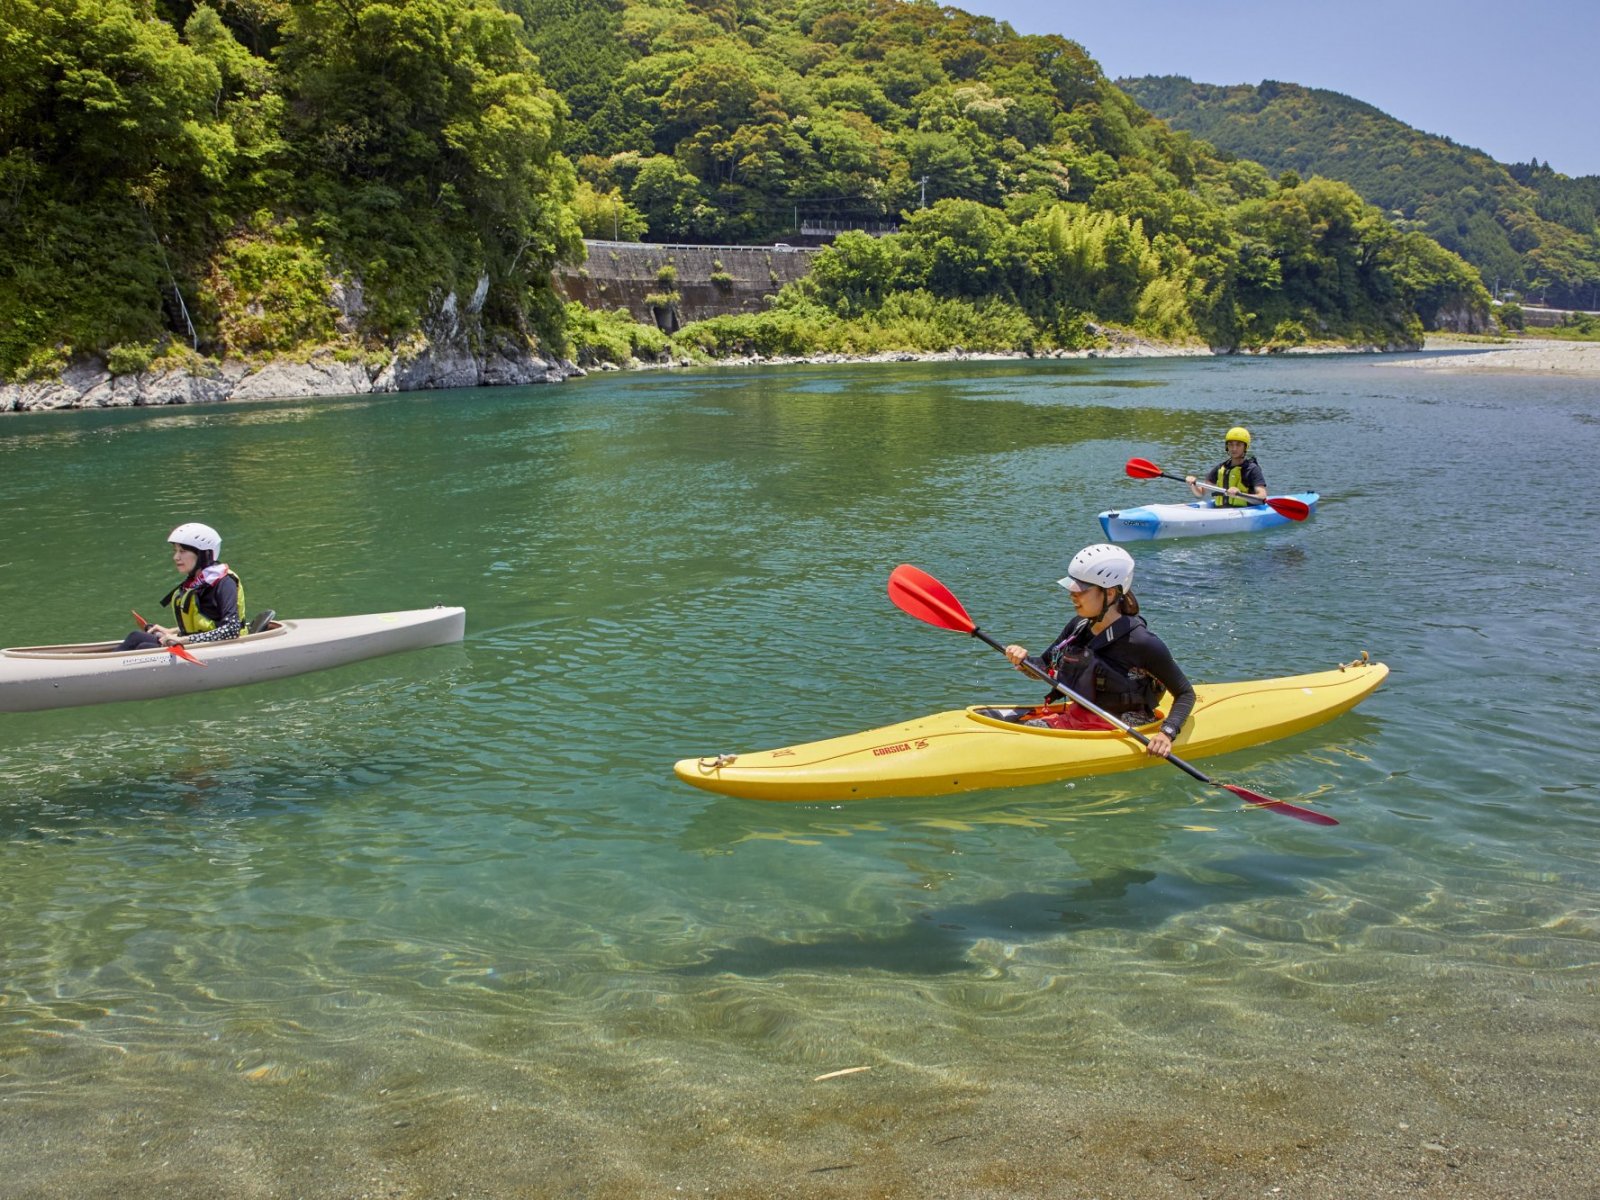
1108, 655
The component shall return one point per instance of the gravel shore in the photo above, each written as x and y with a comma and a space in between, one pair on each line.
1526, 354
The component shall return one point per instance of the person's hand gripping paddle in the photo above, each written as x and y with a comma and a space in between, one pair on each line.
176, 651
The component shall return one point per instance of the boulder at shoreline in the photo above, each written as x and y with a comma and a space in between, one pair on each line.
88, 383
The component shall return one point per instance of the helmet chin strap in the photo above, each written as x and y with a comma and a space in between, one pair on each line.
1106, 609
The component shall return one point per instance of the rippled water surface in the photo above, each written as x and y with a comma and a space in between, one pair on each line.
445, 922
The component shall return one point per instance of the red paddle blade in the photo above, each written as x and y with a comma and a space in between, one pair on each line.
1142, 468
180, 652
1308, 815
143, 624
925, 598
1287, 506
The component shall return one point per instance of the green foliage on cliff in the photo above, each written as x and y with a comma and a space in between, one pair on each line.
1305, 263
1016, 170
206, 173
259, 176
1525, 226
594, 337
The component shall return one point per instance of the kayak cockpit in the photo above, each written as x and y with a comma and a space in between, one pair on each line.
1022, 716
110, 649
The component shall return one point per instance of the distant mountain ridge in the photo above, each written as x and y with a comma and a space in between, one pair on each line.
1524, 226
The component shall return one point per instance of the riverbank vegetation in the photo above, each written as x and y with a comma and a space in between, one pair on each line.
1051, 276
1576, 327
260, 176
1034, 200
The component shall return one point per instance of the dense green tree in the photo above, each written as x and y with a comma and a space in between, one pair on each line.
667, 195
428, 150
1524, 227
116, 159
158, 180
856, 275
959, 248
606, 215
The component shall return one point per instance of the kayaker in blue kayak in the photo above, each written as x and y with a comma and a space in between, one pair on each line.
1239, 473
1108, 655
208, 606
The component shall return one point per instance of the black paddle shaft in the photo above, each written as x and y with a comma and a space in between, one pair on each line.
1211, 487
1037, 670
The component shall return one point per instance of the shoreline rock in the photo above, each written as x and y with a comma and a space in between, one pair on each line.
88, 383
427, 365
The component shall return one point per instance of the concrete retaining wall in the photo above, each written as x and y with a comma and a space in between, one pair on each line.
711, 281
1547, 318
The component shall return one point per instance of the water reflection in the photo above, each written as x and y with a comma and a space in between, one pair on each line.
473, 868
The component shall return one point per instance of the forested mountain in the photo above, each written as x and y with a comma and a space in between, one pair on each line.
1024, 180
257, 177
1524, 226
175, 170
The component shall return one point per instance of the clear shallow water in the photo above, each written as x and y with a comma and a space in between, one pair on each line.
445, 920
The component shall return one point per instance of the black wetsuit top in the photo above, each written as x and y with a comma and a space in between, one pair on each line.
1133, 653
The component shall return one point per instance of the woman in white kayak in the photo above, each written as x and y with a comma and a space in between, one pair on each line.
1239, 473
208, 606
1109, 656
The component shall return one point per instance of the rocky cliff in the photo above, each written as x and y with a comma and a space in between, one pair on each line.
447, 360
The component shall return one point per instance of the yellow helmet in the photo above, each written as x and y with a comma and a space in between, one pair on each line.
1238, 434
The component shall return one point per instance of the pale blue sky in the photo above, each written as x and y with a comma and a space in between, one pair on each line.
1471, 70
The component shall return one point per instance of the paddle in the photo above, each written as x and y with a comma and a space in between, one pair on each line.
925, 598
176, 651
1284, 506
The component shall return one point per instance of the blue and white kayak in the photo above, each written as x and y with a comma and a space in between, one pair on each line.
1199, 518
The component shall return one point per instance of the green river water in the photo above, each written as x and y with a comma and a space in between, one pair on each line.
444, 923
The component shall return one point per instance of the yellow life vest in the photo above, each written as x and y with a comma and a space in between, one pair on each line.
1229, 477
186, 604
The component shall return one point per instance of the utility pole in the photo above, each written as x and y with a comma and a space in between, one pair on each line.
924, 203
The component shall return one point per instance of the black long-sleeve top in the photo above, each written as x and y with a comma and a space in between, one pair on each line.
1141, 650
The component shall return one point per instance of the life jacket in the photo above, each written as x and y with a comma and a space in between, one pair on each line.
1079, 661
1229, 476
194, 604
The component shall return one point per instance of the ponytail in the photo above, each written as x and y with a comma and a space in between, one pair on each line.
1128, 604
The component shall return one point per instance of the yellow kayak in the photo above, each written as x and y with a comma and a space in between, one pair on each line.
971, 748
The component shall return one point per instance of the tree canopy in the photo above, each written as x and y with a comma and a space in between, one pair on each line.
1016, 170
257, 176
163, 167
1524, 226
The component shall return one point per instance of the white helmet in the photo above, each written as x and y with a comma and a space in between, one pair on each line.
1101, 566
201, 537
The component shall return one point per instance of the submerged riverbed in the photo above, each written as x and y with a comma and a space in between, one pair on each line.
444, 923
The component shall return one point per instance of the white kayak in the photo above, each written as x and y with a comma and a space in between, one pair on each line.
39, 677
1196, 519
